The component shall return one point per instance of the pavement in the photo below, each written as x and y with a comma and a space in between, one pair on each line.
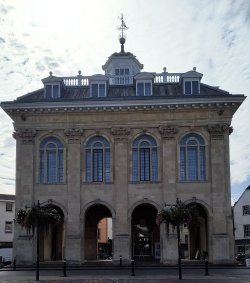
142, 276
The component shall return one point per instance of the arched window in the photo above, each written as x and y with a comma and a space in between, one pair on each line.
98, 160
51, 161
192, 158
144, 159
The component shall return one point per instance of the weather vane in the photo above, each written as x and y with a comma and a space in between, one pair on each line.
122, 28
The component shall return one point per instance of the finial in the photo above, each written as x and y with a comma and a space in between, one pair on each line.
164, 69
50, 73
122, 36
194, 69
79, 72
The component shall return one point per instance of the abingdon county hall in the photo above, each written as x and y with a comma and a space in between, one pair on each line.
121, 145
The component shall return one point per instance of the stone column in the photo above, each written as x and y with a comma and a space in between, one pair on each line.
169, 251
73, 234
121, 244
23, 244
221, 248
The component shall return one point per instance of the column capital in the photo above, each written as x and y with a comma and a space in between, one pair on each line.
26, 135
217, 131
168, 131
120, 133
73, 135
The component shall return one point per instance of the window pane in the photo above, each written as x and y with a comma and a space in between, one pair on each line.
246, 209
187, 87
48, 91
55, 91
94, 90
140, 89
135, 165
107, 165
182, 164
126, 72
122, 72
202, 164
192, 163
144, 164
101, 89
9, 206
97, 165
147, 89
60, 166
246, 230
8, 227
195, 87
51, 166
154, 165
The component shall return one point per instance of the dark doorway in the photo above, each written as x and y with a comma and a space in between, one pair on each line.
145, 233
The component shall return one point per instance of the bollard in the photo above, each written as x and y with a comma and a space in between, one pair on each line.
64, 268
206, 267
120, 261
132, 267
14, 264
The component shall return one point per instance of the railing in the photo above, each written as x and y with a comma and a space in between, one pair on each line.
121, 80
167, 77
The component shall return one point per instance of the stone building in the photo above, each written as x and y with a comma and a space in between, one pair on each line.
120, 145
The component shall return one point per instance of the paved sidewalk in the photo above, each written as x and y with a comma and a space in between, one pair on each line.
130, 279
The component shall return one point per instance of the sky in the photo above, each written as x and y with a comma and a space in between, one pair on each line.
39, 36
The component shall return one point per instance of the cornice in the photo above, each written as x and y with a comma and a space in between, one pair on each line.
228, 102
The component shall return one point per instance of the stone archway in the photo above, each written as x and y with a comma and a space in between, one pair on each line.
145, 233
52, 241
93, 216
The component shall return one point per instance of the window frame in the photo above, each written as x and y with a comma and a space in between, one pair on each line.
140, 173
9, 204
52, 95
246, 210
191, 81
93, 169
10, 225
144, 82
122, 79
98, 89
185, 156
246, 229
48, 171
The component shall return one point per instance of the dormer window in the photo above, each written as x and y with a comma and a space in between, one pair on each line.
52, 91
98, 89
144, 88
122, 76
191, 87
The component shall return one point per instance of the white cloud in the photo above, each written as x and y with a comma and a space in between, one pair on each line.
67, 36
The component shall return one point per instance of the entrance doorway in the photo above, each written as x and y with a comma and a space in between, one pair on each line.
98, 233
145, 233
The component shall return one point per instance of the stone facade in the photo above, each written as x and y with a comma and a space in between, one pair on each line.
166, 114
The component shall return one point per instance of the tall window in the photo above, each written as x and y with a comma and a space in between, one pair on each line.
8, 226
98, 160
246, 209
9, 206
144, 159
51, 161
192, 158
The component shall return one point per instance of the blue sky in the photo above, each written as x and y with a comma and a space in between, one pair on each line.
66, 36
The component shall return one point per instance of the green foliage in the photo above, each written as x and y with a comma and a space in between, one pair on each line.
45, 216
178, 214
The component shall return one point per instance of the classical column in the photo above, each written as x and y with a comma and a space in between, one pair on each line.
169, 251
73, 235
222, 238
25, 177
121, 244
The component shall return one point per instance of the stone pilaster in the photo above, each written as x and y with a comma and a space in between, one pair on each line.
73, 237
121, 237
169, 244
25, 162
220, 186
